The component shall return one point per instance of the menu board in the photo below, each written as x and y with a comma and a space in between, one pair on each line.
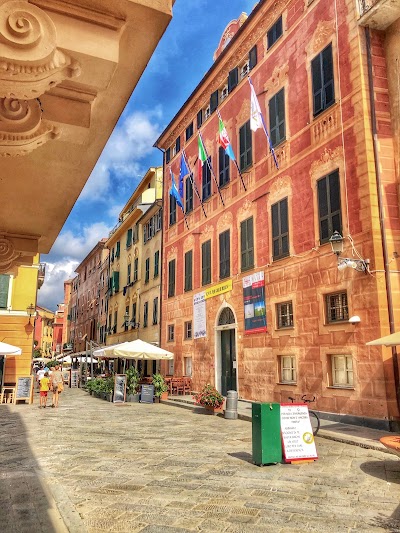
147, 394
119, 388
297, 435
24, 388
74, 378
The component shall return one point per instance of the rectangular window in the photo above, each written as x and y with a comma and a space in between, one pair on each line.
145, 314
224, 255
206, 180
287, 369
214, 101
126, 318
329, 210
189, 131
155, 311
188, 330
115, 321
188, 195
188, 271
172, 210
118, 249
342, 370
199, 118
336, 307
245, 146
147, 270
188, 366
274, 32
168, 155
233, 79
135, 269
177, 145
277, 118
206, 262
171, 332
156, 263
133, 322
129, 238
128, 280
4, 288
280, 229
115, 282
247, 244
171, 278
284, 315
223, 167
322, 80
253, 57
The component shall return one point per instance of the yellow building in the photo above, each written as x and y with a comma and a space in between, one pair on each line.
44, 331
17, 310
134, 274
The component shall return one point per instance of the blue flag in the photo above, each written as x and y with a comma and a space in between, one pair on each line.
174, 191
183, 171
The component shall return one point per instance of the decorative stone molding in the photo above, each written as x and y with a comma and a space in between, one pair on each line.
22, 128
188, 242
244, 112
8, 254
282, 154
173, 251
244, 211
280, 188
277, 79
325, 126
329, 160
321, 37
225, 220
30, 62
207, 232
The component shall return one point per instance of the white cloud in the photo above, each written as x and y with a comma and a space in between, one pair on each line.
78, 246
52, 291
131, 141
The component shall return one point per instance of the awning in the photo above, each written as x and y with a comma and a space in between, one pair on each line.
136, 349
389, 340
9, 349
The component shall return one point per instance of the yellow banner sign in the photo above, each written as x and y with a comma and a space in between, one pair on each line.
225, 286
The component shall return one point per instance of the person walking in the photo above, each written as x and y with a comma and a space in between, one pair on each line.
57, 385
39, 375
44, 388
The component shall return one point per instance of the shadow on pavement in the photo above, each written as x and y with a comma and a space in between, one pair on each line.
24, 504
243, 456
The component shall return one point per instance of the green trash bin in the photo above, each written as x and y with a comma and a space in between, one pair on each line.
266, 432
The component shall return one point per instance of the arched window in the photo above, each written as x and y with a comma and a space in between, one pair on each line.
226, 317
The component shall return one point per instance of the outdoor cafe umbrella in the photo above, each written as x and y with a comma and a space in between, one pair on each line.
41, 359
136, 349
389, 340
9, 349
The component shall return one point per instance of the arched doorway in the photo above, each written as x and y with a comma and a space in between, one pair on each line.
227, 350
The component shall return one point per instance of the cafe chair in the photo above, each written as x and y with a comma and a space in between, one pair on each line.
7, 395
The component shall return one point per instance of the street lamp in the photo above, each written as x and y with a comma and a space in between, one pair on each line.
361, 265
30, 311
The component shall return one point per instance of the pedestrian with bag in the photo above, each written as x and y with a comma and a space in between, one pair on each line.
57, 385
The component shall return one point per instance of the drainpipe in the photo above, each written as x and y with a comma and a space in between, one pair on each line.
381, 214
162, 245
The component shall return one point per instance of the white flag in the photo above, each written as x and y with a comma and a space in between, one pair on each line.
255, 111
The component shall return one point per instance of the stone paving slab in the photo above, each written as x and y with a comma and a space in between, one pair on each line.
91, 466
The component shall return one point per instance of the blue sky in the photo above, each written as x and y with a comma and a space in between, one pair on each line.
181, 59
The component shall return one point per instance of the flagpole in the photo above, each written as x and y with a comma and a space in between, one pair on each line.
236, 163
211, 169
263, 122
192, 181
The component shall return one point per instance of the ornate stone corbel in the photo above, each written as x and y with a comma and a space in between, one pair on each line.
22, 128
30, 62
8, 254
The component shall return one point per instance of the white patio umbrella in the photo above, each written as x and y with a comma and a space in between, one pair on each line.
137, 349
389, 340
82, 358
41, 359
9, 349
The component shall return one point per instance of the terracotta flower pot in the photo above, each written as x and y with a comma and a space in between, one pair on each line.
214, 410
164, 396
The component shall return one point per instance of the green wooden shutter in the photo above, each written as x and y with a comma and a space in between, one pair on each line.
4, 286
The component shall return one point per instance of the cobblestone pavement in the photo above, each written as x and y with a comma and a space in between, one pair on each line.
95, 466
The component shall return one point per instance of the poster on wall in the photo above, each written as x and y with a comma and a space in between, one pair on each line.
255, 317
199, 315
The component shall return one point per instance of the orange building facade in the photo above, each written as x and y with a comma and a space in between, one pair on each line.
253, 298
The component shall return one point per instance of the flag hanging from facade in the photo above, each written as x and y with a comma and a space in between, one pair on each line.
174, 191
202, 151
224, 139
183, 171
257, 120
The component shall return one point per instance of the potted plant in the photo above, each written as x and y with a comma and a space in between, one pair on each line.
160, 387
210, 398
108, 388
132, 384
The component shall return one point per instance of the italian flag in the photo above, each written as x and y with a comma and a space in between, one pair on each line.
202, 155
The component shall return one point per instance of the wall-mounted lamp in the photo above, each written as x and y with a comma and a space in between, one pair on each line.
126, 320
361, 265
30, 310
354, 320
